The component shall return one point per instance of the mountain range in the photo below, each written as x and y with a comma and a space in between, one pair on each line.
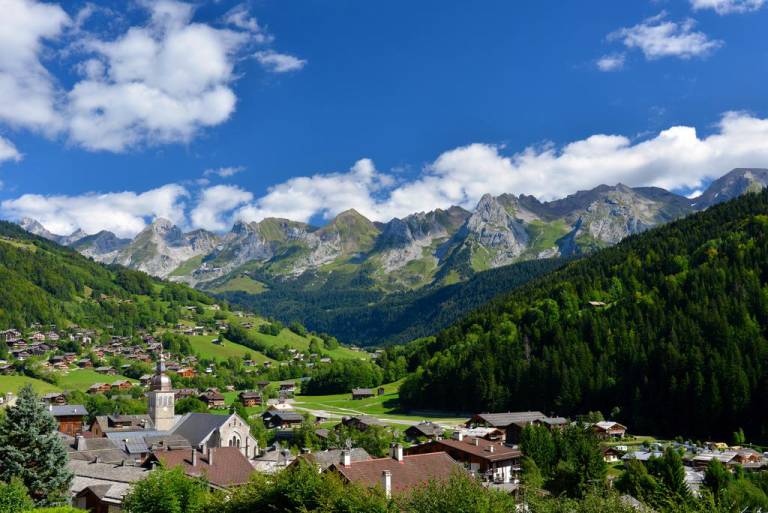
440, 247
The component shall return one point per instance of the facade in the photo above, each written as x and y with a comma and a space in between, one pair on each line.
206, 431
250, 398
608, 429
161, 398
71, 418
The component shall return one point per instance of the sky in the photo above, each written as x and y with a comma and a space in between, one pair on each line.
115, 113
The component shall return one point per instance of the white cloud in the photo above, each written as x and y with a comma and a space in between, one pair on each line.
279, 62
676, 158
728, 6
124, 213
657, 37
239, 17
613, 62
215, 204
27, 90
158, 83
224, 172
8, 151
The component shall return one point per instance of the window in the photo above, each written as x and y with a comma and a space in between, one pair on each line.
234, 442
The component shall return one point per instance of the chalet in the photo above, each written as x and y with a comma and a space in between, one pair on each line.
106, 370
423, 430
362, 393
287, 389
397, 474
122, 385
101, 487
361, 422
611, 454
222, 468
250, 398
144, 379
608, 429
105, 424
282, 419
492, 461
187, 372
511, 423
184, 393
99, 388
71, 418
10, 336
54, 398
262, 385
213, 399
6, 368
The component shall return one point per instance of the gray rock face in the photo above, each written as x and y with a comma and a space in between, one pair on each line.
102, 247
495, 227
734, 184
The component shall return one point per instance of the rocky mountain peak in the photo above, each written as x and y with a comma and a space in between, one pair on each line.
731, 185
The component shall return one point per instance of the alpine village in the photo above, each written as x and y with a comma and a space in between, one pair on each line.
204, 308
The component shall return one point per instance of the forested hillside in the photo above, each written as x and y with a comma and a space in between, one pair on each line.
367, 316
45, 283
666, 332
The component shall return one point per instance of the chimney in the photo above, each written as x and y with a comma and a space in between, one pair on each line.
346, 458
386, 483
210, 456
194, 457
80, 439
491, 449
459, 436
396, 452
477, 442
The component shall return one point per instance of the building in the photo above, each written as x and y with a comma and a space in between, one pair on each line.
221, 467
71, 418
162, 406
513, 423
99, 388
104, 424
205, 431
361, 422
55, 398
323, 460
250, 399
362, 393
397, 474
101, 487
611, 454
491, 461
609, 429
423, 430
213, 399
122, 385
282, 419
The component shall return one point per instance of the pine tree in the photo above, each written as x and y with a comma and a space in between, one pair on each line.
31, 450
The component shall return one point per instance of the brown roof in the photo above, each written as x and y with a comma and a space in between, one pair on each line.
481, 448
407, 474
230, 467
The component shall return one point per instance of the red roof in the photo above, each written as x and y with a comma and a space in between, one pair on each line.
230, 467
481, 448
409, 473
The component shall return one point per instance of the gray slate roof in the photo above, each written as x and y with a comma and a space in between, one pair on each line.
196, 427
502, 420
68, 410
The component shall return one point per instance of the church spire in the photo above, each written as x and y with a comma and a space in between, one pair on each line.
160, 381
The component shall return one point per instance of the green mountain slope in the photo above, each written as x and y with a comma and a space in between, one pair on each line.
368, 317
665, 332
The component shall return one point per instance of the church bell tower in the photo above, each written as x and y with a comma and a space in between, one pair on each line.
161, 398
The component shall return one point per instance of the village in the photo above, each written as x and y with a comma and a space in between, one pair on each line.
111, 452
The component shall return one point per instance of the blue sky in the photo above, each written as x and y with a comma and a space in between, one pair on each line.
389, 107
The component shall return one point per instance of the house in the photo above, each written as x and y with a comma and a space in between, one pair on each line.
250, 398
611, 454
361, 423
423, 430
609, 429
55, 398
491, 461
101, 487
213, 399
511, 423
282, 419
398, 473
205, 431
184, 393
145, 379
99, 388
262, 385
106, 370
749, 458
221, 467
104, 424
122, 385
187, 372
322, 460
362, 393
287, 389
71, 418
274, 459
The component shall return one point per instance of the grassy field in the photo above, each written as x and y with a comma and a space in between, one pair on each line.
386, 406
81, 379
241, 283
204, 346
14, 383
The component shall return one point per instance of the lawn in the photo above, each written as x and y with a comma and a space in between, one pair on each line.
81, 379
386, 406
14, 383
204, 346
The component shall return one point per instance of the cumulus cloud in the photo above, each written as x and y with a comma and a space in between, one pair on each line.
728, 6
27, 90
124, 213
658, 37
613, 62
8, 151
224, 172
279, 62
216, 204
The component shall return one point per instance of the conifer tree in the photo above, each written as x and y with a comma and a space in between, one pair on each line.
31, 450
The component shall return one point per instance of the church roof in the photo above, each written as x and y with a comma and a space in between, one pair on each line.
196, 427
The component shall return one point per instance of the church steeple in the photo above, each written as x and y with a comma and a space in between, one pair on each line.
161, 397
